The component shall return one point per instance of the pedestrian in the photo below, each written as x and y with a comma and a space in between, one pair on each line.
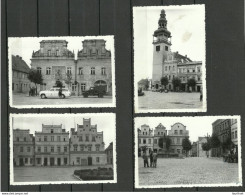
154, 160
151, 158
200, 96
145, 158
60, 92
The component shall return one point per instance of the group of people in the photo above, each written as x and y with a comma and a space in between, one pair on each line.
153, 159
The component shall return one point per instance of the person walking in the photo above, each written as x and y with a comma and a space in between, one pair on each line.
60, 92
151, 158
154, 160
145, 158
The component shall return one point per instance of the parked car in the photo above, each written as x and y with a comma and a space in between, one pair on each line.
54, 93
163, 90
99, 91
140, 92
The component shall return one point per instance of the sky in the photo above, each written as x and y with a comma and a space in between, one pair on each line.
26, 45
105, 123
187, 27
198, 126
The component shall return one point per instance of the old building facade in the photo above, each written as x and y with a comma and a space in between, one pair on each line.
52, 146
149, 139
170, 64
87, 145
200, 151
23, 148
222, 129
57, 63
234, 136
20, 70
109, 153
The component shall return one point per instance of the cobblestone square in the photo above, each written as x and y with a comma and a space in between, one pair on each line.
192, 170
36, 174
170, 100
24, 99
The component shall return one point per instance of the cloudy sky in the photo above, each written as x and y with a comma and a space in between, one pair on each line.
26, 45
187, 27
105, 123
197, 126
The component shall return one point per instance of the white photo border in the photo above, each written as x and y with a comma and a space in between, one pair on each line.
186, 110
111, 116
102, 105
136, 172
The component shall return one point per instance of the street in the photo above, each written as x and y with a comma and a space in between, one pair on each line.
170, 100
24, 99
33, 174
192, 170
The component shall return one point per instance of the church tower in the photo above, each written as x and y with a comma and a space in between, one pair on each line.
161, 48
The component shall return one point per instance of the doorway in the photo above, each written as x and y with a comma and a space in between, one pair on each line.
89, 161
21, 162
51, 161
45, 162
59, 162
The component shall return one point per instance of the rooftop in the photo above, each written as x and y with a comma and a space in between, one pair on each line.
19, 65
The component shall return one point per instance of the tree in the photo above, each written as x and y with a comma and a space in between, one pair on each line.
176, 82
186, 144
215, 143
68, 79
191, 83
206, 147
59, 84
227, 145
164, 81
164, 140
35, 77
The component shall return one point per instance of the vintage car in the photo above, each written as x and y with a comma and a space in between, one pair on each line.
99, 91
54, 93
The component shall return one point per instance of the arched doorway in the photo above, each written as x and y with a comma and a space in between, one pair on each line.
101, 83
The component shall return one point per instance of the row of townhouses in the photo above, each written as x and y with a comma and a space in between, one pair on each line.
54, 146
56, 62
172, 64
148, 139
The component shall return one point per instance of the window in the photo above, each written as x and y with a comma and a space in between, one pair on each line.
149, 141
45, 138
52, 148
68, 70
52, 138
178, 140
24, 139
198, 78
97, 159
45, 149
93, 138
49, 52
26, 160
175, 132
58, 148
28, 149
38, 160
80, 138
74, 87
80, 71
198, 69
169, 67
39, 139
181, 132
144, 141
58, 138
103, 72
92, 71
57, 52
155, 141
52, 131
166, 68
235, 134
30, 160
48, 71
178, 151
39, 70
232, 135
64, 139
78, 160
82, 148
166, 48
21, 149
89, 148
83, 87
75, 148
18, 139
139, 141
39, 149
65, 149
158, 48
97, 148
87, 138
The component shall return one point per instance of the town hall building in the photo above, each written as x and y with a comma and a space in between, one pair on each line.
172, 64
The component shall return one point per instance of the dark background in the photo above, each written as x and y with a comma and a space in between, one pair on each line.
224, 64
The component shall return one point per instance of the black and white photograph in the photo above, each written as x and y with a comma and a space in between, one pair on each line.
62, 148
61, 72
172, 152
169, 59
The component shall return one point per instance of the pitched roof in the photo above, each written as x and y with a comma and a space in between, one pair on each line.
19, 65
181, 58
